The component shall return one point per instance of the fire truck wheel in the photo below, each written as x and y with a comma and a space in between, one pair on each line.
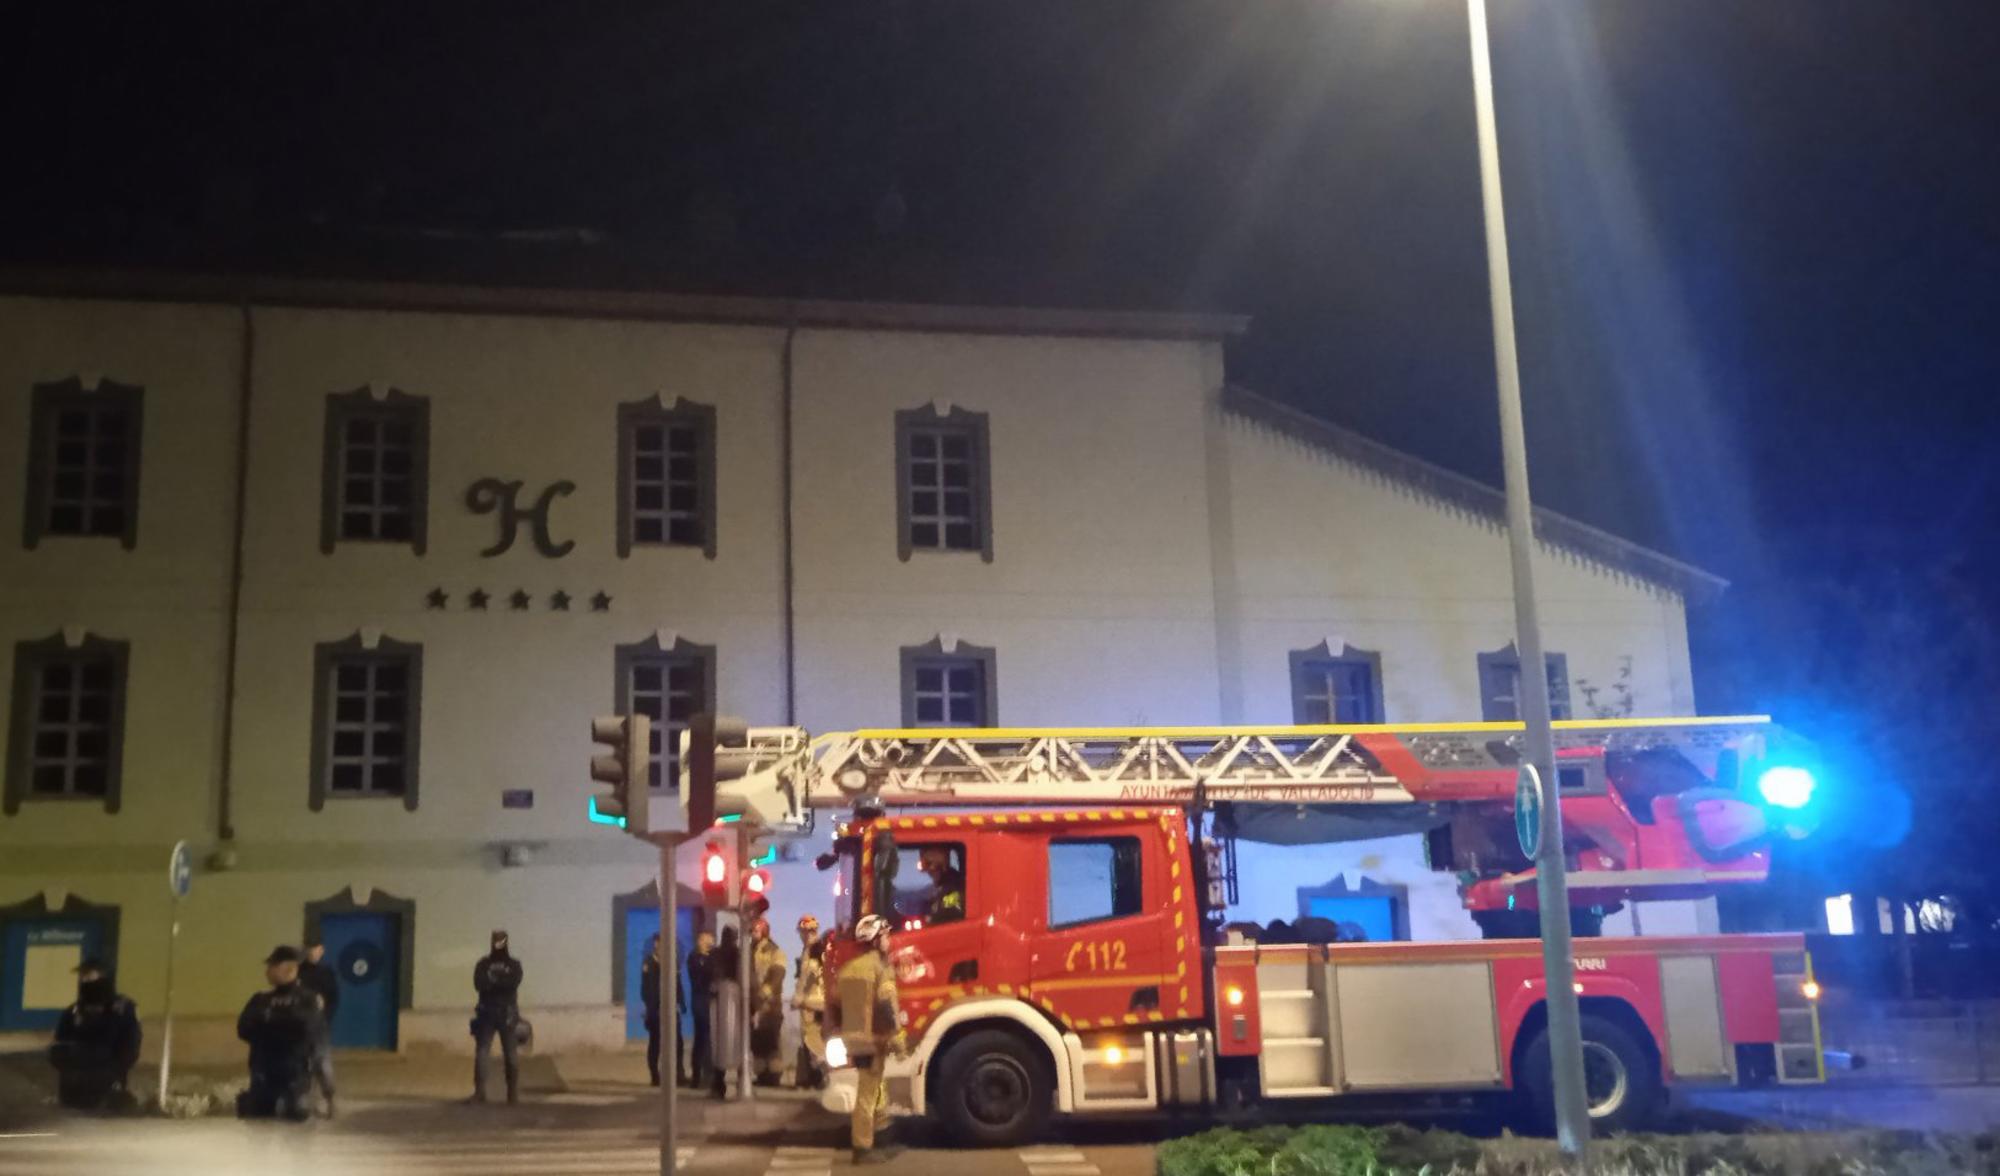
993, 1089
1620, 1079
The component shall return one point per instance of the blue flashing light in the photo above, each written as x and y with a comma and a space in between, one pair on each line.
1786, 787
597, 818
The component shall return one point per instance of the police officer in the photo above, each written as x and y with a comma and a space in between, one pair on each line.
700, 988
281, 1025
649, 995
96, 1043
947, 885
321, 981
768, 966
497, 980
809, 997
870, 1025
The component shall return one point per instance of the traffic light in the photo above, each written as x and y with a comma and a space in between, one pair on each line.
714, 875
756, 893
704, 734
627, 767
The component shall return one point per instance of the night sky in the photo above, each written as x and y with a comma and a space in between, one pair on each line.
1756, 245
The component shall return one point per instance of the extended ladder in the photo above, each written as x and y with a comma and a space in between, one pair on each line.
780, 772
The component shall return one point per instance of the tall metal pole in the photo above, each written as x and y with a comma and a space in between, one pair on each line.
745, 965
670, 1017
167, 1007
1551, 886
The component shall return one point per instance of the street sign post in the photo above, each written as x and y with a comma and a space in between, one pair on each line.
1528, 810
180, 880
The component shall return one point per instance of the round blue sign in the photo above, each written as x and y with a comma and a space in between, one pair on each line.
180, 870
1528, 809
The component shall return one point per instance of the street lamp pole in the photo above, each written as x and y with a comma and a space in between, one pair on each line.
1532, 693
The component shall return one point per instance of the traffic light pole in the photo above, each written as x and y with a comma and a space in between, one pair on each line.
670, 1015
745, 964
1572, 1113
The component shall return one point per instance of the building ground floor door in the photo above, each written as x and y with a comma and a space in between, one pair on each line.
38, 960
364, 950
1373, 915
641, 924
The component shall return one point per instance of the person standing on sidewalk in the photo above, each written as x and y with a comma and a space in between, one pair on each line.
649, 995
871, 1025
768, 966
97, 1042
700, 988
317, 978
280, 1025
497, 980
725, 1010
809, 997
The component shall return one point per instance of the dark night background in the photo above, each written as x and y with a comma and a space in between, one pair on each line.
1756, 251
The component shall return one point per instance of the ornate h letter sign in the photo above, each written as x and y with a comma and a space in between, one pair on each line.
490, 494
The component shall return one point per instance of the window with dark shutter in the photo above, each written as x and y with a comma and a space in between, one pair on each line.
83, 462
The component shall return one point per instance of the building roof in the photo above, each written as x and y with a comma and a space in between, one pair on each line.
616, 304
1474, 496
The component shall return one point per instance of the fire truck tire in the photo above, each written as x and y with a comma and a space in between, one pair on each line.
1621, 1079
993, 1089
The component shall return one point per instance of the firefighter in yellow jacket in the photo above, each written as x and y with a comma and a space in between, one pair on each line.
768, 966
871, 1028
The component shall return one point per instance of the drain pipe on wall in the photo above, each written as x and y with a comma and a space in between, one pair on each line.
224, 856
785, 476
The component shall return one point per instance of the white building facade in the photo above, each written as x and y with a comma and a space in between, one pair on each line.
327, 580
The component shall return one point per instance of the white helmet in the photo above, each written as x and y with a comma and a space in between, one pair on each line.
869, 928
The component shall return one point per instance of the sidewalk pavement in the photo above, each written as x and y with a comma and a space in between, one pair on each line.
368, 1078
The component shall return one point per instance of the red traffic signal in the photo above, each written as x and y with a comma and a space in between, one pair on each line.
757, 883
714, 875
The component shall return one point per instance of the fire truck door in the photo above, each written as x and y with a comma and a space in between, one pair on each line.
939, 931
1101, 960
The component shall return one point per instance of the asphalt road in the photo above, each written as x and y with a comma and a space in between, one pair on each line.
558, 1136
614, 1135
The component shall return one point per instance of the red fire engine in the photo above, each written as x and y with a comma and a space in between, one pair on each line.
1082, 964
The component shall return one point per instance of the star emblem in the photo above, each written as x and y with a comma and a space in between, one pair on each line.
601, 602
436, 599
519, 601
559, 601
477, 599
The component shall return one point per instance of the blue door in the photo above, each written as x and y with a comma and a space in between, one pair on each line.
1375, 915
364, 949
641, 924
38, 959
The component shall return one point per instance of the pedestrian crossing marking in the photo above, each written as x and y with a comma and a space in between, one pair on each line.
1056, 1161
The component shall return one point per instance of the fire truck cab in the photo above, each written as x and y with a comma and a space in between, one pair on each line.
1065, 961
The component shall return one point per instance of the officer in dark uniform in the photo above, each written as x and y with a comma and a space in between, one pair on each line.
700, 988
947, 903
282, 1024
316, 976
497, 979
649, 995
96, 1043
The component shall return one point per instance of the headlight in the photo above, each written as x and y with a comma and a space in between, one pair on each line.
836, 1053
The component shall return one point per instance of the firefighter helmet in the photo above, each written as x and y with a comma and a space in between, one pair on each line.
808, 923
869, 928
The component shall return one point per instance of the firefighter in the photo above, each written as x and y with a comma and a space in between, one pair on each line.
97, 1041
282, 1026
947, 885
497, 980
871, 1027
809, 997
768, 966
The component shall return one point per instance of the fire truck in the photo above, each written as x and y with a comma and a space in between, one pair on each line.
1083, 965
